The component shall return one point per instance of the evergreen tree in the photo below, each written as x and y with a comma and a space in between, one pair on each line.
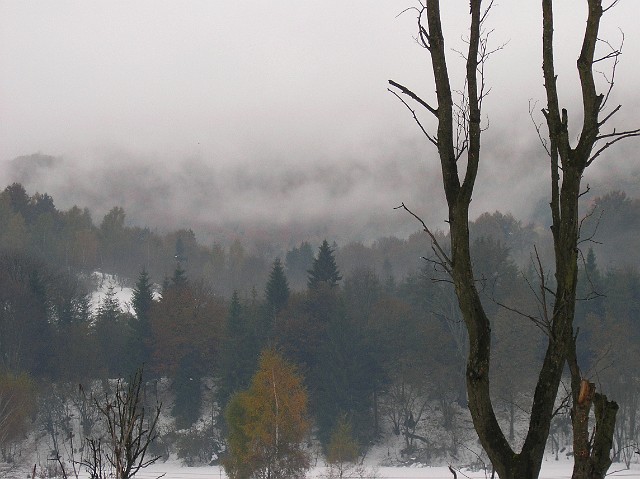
238, 356
277, 290
323, 298
18, 199
179, 279
187, 389
343, 380
324, 268
109, 308
180, 255
111, 334
141, 301
142, 297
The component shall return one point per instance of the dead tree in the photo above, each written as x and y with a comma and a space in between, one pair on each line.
458, 134
568, 164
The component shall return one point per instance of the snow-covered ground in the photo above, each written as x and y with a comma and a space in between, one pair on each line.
102, 282
550, 470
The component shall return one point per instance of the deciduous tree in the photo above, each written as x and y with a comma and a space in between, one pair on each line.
458, 135
268, 424
131, 427
17, 403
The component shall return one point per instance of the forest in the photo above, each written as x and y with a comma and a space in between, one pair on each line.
373, 329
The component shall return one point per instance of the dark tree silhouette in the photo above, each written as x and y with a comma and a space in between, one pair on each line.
324, 268
277, 290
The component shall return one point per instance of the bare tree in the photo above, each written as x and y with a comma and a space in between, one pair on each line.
458, 134
130, 430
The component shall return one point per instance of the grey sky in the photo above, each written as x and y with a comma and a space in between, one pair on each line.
276, 87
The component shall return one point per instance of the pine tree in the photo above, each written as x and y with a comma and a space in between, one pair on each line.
324, 269
142, 297
142, 301
277, 290
179, 278
110, 333
109, 310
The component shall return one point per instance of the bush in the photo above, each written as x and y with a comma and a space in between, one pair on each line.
198, 447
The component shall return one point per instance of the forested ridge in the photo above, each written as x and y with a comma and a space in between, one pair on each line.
374, 330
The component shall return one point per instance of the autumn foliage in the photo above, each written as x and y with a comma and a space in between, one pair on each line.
17, 403
268, 423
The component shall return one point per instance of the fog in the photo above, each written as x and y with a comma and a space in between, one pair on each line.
232, 115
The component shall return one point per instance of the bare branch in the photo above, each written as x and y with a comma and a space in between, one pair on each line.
424, 40
614, 53
415, 117
539, 323
606, 9
606, 118
538, 126
595, 231
415, 97
616, 138
483, 17
564, 403
434, 241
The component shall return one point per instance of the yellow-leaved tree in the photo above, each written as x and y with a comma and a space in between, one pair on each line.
17, 403
268, 423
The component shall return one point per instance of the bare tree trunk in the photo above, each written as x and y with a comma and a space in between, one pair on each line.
591, 454
459, 134
507, 462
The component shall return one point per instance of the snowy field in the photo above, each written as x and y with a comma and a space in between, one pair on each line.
550, 470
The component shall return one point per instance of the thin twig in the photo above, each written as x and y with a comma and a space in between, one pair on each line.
446, 262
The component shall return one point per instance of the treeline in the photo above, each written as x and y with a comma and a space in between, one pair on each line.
382, 351
72, 241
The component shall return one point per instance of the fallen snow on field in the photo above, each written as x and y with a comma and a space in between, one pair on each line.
550, 470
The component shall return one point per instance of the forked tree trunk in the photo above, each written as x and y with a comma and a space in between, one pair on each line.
591, 450
458, 135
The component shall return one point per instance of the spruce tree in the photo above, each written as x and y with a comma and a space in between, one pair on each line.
179, 279
142, 297
110, 334
324, 269
142, 301
238, 357
277, 290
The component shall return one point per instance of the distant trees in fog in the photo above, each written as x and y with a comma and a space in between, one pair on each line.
379, 345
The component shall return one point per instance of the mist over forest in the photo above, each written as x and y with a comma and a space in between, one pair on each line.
229, 208
287, 202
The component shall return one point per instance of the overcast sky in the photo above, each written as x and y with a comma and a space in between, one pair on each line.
280, 89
